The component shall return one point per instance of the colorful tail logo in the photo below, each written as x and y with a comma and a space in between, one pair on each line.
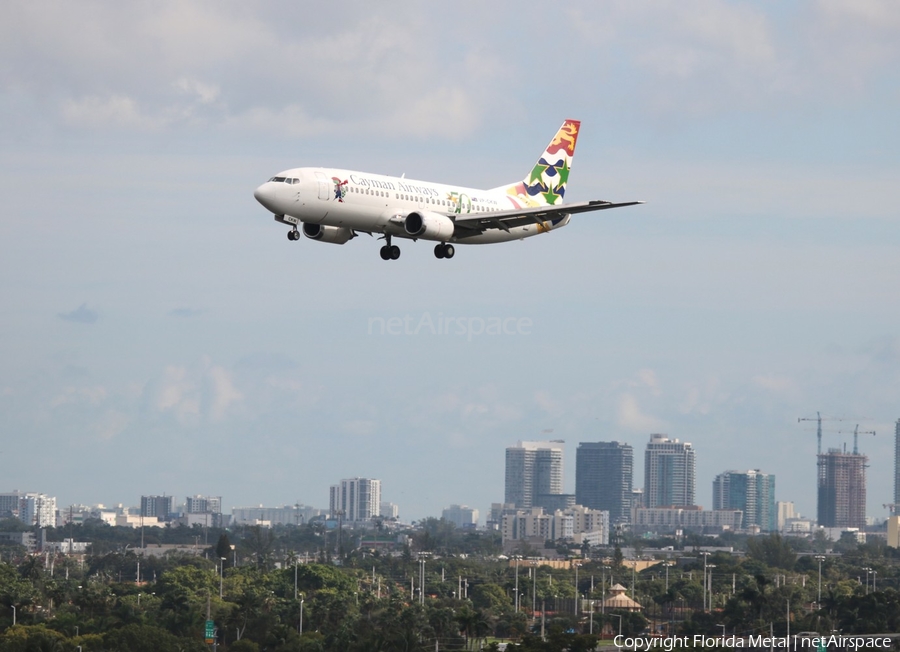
546, 185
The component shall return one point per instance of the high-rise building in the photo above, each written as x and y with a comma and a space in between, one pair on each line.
10, 503
203, 505
669, 473
752, 492
842, 489
603, 476
30, 508
389, 511
161, 507
462, 516
896, 468
38, 509
356, 499
533, 469
785, 510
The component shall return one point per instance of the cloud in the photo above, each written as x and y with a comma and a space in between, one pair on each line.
630, 417
114, 110
71, 395
185, 312
774, 383
358, 427
206, 392
111, 424
224, 393
81, 315
178, 394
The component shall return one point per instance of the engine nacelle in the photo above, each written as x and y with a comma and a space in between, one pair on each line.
332, 234
428, 225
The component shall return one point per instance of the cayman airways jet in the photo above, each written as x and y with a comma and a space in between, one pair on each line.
334, 205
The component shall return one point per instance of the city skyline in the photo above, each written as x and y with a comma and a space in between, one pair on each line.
547, 462
159, 332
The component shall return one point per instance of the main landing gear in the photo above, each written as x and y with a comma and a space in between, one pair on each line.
389, 251
294, 234
444, 250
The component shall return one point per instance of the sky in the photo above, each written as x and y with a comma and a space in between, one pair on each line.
160, 334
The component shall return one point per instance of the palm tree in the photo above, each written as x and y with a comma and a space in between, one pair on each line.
467, 619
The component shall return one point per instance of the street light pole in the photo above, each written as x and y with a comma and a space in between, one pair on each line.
301, 616
603, 593
576, 590
820, 559
221, 574
705, 556
620, 622
13, 607
517, 583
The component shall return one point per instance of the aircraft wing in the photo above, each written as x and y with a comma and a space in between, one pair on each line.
474, 223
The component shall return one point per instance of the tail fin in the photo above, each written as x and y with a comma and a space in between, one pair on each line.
546, 185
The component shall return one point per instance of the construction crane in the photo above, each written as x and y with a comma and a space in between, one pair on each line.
819, 419
856, 433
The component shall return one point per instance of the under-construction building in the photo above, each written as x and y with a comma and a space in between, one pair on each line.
896, 466
842, 489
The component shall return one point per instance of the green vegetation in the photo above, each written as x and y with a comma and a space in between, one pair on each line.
291, 578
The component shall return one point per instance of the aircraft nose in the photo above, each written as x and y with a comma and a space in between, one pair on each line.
265, 195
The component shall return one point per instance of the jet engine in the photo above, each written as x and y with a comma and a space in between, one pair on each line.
428, 225
332, 234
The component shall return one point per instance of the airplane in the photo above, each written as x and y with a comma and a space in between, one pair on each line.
335, 205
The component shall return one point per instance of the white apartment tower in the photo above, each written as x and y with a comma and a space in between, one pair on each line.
357, 499
669, 473
533, 469
38, 509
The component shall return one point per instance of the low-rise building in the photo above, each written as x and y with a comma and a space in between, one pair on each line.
283, 515
24, 539
676, 518
66, 547
570, 524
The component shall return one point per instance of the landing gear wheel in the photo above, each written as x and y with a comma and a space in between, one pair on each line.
449, 251
293, 235
439, 251
395, 252
385, 253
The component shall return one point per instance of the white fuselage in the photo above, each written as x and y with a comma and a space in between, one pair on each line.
373, 203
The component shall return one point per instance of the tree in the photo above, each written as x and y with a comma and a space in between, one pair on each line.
773, 551
491, 597
145, 638
223, 550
